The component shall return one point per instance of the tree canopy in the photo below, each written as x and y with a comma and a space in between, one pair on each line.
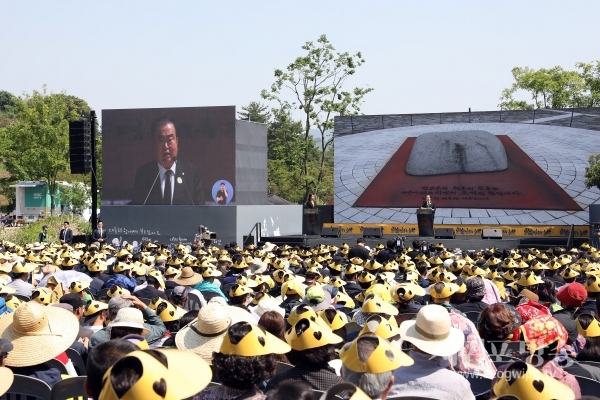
35, 145
554, 87
314, 83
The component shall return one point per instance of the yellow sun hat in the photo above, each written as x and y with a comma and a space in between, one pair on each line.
164, 374
524, 381
384, 357
306, 334
255, 342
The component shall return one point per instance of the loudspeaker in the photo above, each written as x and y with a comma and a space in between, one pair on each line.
373, 232
330, 232
80, 146
444, 233
491, 233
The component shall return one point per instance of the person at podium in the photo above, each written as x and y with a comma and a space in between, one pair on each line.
429, 204
310, 203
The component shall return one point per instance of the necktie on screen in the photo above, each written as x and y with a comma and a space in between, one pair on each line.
167, 191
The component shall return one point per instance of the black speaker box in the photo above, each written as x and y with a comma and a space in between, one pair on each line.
80, 147
373, 232
330, 232
444, 233
491, 233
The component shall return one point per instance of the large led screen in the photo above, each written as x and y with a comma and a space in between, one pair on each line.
475, 173
169, 156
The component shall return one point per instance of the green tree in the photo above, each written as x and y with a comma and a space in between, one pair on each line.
76, 197
36, 145
590, 73
255, 112
314, 84
7, 108
548, 88
592, 173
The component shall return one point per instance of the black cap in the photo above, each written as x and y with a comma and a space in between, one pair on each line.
73, 299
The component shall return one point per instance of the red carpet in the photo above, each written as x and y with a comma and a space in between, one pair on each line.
523, 186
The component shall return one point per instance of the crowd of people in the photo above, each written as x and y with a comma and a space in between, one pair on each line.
161, 322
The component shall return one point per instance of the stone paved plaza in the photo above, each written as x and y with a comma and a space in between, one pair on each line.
562, 152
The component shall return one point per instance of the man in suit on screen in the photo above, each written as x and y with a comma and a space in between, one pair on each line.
167, 180
428, 204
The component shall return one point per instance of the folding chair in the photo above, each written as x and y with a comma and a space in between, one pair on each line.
193, 302
589, 387
58, 365
26, 386
77, 361
70, 388
473, 316
282, 367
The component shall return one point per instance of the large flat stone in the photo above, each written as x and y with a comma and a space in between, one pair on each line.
439, 153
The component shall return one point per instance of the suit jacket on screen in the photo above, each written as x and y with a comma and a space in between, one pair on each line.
187, 174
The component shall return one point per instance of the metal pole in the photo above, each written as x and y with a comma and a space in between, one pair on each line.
500, 114
94, 181
534, 115
469, 114
382, 124
572, 112
410, 119
352, 124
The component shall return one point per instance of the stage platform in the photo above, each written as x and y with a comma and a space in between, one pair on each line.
461, 242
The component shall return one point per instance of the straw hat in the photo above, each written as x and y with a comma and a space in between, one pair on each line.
205, 335
38, 333
256, 342
180, 376
188, 277
432, 332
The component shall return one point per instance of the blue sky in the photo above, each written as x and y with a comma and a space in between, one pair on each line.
422, 56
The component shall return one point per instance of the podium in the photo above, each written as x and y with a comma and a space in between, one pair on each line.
425, 221
311, 222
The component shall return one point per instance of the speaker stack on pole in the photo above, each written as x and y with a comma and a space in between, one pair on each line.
82, 154
80, 146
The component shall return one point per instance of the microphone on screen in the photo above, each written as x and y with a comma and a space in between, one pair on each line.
164, 160
181, 180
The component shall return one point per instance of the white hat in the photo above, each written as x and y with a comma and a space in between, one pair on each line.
130, 318
268, 246
448, 262
432, 332
267, 305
